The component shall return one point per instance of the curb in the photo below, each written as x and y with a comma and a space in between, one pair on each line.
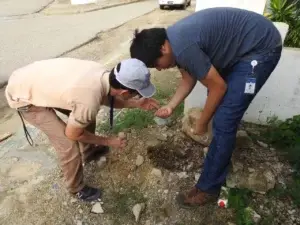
79, 9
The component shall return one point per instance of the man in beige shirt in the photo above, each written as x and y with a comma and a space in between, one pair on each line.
77, 88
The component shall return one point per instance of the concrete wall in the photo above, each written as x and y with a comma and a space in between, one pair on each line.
280, 96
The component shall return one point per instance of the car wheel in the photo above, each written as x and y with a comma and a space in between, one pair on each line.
183, 6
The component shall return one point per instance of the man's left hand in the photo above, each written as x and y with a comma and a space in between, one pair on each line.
200, 129
147, 104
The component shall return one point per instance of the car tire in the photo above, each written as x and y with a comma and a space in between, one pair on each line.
183, 7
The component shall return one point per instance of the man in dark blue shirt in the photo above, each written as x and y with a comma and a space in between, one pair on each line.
230, 51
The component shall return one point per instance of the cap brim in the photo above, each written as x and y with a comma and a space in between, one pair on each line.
148, 91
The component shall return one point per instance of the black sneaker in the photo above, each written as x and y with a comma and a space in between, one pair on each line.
89, 194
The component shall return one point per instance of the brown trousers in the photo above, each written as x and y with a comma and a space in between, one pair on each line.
70, 153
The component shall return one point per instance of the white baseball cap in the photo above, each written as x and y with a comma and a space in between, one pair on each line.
134, 74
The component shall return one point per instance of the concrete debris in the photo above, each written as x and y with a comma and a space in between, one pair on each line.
137, 210
97, 208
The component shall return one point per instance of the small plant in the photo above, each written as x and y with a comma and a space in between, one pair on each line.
239, 200
285, 135
287, 11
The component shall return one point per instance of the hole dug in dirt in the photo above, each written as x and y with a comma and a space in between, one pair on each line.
184, 155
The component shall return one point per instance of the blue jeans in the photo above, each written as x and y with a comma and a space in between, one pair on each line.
229, 114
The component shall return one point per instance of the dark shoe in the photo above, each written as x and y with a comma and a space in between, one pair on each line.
89, 194
96, 153
195, 198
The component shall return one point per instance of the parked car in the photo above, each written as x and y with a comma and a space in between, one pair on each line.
174, 3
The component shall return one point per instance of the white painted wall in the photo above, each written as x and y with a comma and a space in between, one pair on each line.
280, 96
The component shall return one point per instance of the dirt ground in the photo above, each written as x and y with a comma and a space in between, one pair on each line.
169, 162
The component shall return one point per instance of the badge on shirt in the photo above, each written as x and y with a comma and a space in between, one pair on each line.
250, 85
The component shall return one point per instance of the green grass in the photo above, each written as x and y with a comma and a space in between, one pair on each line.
137, 118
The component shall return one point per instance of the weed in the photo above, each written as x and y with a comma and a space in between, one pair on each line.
134, 118
285, 135
137, 118
239, 200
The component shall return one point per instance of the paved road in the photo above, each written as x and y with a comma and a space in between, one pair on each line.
24, 39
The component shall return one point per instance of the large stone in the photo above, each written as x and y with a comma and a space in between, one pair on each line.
258, 180
189, 123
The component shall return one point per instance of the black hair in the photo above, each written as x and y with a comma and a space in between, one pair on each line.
146, 45
114, 83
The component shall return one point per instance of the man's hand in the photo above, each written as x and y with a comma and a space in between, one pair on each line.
147, 104
200, 129
164, 112
117, 142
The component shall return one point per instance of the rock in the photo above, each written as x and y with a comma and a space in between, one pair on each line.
65, 203
73, 200
79, 222
262, 144
241, 133
166, 191
153, 142
15, 159
205, 150
139, 160
121, 135
162, 122
97, 208
197, 176
137, 210
189, 167
260, 180
189, 123
182, 175
162, 137
255, 217
80, 211
101, 162
229, 223
156, 172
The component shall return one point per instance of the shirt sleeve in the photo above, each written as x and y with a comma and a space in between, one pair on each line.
194, 61
82, 115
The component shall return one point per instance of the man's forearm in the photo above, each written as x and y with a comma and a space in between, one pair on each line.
90, 138
184, 89
213, 100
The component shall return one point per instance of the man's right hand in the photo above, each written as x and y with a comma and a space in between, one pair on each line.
164, 112
117, 142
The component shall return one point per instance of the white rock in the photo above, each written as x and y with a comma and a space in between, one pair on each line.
262, 144
205, 150
139, 160
156, 172
137, 210
122, 135
182, 175
78, 222
101, 162
166, 191
197, 176
190, 166
97, 208
241, 133
64, 203
80, 211
73, 200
